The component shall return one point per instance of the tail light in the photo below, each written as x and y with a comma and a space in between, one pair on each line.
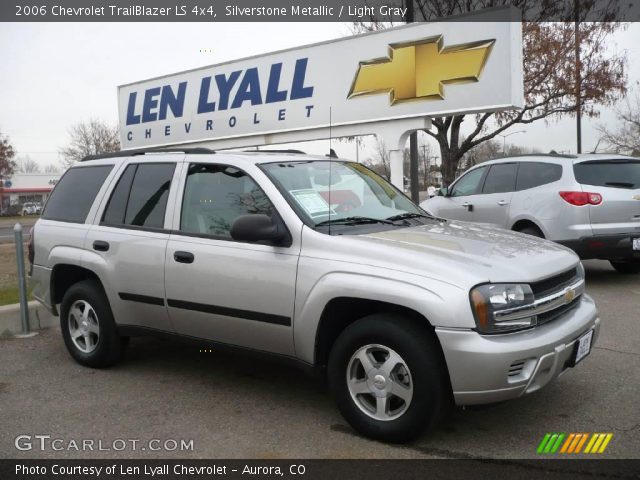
580, 199
30, 249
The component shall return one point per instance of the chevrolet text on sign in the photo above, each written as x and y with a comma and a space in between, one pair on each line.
427, 69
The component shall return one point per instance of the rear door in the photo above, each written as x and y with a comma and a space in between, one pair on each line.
618, 181
459, 202
131, 240
492, 206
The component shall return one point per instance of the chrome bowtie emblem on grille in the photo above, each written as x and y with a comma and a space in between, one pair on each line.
569, 295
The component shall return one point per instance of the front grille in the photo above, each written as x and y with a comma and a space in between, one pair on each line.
547, 317
551, 285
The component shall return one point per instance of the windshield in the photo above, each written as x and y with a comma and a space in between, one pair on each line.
610, 173
343, 194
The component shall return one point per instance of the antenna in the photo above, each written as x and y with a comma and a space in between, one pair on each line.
330, 168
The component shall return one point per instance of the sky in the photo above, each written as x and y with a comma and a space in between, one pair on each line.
54, 75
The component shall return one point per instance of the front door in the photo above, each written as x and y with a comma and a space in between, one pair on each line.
458, 204
216, 288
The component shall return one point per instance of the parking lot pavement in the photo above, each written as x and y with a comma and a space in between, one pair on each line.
236, 407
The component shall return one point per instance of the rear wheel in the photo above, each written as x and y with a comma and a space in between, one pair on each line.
88, 327
626, 266
388, 378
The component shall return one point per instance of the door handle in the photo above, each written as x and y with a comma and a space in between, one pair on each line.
183, 257
468, 206
502, 203
101, 245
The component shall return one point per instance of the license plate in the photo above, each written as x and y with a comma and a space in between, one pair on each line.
584, 346
636, 243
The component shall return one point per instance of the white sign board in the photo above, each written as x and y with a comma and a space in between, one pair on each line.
416, 70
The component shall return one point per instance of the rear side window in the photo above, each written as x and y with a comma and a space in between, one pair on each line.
610, 173
140, 197
74, 194
501, 178
534, 174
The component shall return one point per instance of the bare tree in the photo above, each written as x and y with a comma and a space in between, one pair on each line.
89, 138
550, 71
626, 137
27, 165
51, 168
7, 154
380, 162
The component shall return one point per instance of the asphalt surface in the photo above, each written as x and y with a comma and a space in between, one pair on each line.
236, 407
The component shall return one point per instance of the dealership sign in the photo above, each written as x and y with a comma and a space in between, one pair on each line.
417, 70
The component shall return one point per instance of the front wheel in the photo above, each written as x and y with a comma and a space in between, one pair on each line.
388, 377
88, 327
626, 266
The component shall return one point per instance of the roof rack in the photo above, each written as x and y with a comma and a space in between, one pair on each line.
144, 151
554, 155
290, 150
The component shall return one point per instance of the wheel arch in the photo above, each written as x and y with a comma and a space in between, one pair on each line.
65, 275
522, 223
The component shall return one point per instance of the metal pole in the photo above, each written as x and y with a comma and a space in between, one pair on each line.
22, 279
413, 138
576, 7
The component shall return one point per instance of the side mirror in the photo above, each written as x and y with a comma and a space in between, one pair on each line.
257, 228
443, 192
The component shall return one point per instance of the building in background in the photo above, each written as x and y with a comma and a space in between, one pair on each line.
27, 187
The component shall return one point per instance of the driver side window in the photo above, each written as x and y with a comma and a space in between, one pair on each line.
469, 184
215, 195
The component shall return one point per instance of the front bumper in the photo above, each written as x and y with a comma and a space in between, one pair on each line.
480, 365
604, 247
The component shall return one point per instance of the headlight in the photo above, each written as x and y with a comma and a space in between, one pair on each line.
502, 307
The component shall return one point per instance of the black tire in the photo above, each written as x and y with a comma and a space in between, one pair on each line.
627, 267
419, 349
533, 231
108, 345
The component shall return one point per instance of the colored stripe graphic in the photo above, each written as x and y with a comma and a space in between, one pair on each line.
572, 443
550, 443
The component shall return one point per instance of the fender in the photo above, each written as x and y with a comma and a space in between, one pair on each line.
414, 292
64, 254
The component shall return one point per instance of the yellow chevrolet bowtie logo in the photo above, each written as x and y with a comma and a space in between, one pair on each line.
420, 69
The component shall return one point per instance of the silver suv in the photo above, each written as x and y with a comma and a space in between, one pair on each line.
320, 262
589, 203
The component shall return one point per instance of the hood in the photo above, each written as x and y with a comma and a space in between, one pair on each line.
465, 253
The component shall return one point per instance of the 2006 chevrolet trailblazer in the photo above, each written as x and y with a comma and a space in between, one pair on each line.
319, 261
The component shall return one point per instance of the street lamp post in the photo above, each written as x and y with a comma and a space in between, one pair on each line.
504, 140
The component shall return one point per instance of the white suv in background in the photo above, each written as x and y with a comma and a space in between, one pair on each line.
590, 203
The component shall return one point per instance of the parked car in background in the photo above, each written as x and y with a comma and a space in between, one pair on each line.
29, 208
589, 203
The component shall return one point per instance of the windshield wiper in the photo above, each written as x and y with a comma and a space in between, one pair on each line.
354, 221
620, 184
404, 216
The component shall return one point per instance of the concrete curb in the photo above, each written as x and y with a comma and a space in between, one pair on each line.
39, 318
